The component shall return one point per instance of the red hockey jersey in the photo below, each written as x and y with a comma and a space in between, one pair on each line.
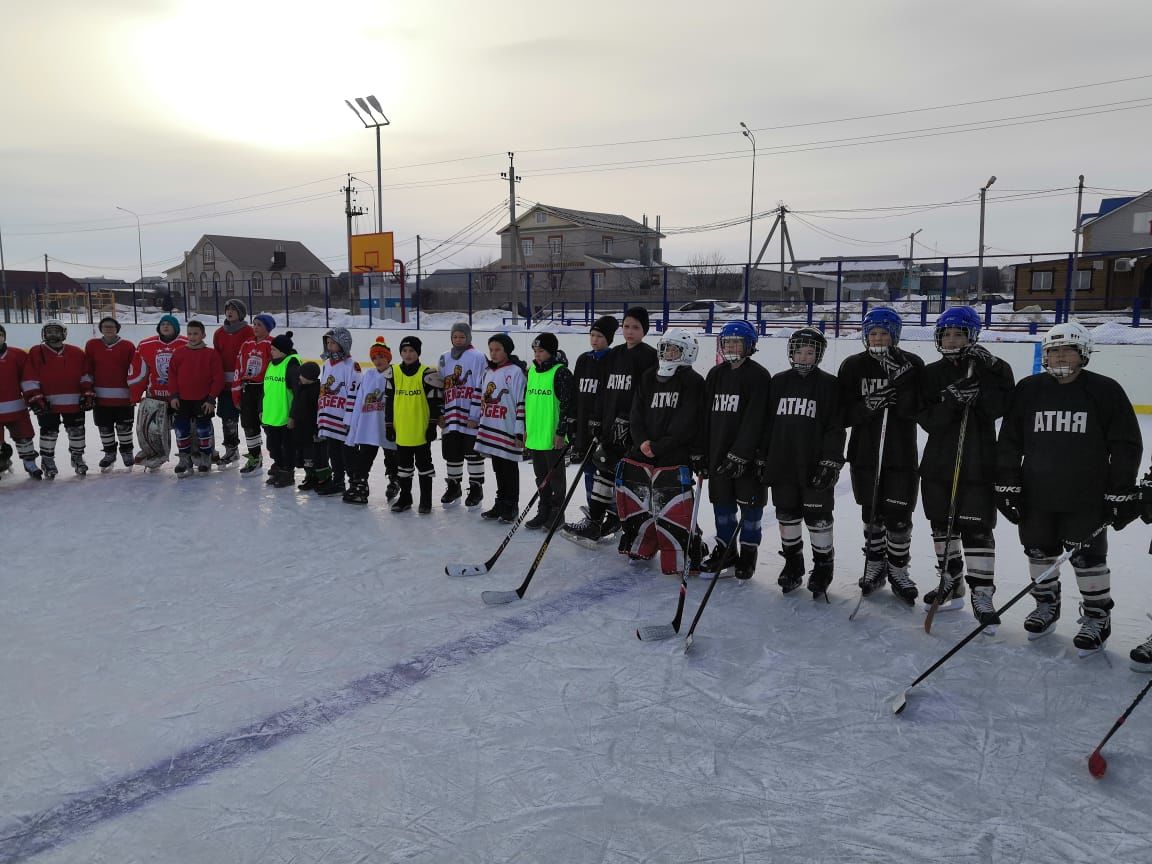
12, 404
150, 365
195, 374
109, 365
228, 346
61, 379
251, 363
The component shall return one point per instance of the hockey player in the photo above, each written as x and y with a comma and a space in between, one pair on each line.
800, 458
228, 340
58, 387
367, 430
654, 486
412, 405
280, 379
195, 376
547, 407
878, 392
302, 422
13, 407
1069, 449
736, 394
501, 431
110, 361
586, 404
966, 377
248, 388
461, 367
620, 372
149, 375
339, 380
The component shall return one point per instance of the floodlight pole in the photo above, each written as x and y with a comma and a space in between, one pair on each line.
980, 255
368, 106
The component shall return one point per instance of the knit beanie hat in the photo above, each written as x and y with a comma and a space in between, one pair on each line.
268, 321
310, 370
505, 340
380, 348
412, 342
462, 327
237, 304
640, 314
548, 342
283, 343
606, 326
169, 319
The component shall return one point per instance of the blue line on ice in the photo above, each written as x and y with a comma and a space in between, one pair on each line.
63, 823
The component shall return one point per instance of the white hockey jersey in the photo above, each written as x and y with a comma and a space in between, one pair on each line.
462, 379
339, 381
366, 424
501, 403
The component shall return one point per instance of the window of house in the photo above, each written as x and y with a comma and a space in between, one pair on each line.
527, 247
556, 245
229, 284
208, 254
314, 284
1041, 281
598, 280
557, 281
295, 283
216, 282
257, 283
277, 289
203, 284
1082, 280
541, 217
607, 241
488, 282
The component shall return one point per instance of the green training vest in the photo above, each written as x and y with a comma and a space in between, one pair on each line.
277, 396
541, 409
410, 409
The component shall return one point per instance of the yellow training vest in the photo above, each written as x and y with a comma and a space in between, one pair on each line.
410, 409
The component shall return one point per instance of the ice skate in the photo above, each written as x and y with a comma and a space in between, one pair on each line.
107, 461
1042, 619
184, 466
1095, 628
792, 575
902, 584
79, 465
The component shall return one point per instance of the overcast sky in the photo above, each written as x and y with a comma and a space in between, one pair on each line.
228, 118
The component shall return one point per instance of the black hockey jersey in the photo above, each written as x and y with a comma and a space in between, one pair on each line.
861, 374
667, 413
619, 375
940, 416
585, 404
1069, 444
735, 406
804, 426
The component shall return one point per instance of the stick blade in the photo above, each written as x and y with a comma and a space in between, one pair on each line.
931, 616
900, 702
466, 569
1097, 764
498, 598
688, 643
655, 632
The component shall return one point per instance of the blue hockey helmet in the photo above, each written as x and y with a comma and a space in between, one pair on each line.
737, 330
961, 318
883, 318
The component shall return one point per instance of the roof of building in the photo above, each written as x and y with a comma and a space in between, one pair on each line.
255, 253
1108, 206
589, 219
29, 280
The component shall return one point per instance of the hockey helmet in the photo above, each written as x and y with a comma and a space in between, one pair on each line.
53, 323
681, 339
883, 318
1067, 334
806, 337
737, 330
961, 318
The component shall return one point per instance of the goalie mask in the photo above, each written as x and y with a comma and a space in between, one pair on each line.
802, 359
676, 348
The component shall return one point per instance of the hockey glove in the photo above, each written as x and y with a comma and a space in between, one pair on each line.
827, 473
699, 466
87, 401
1123, 508
732, 466
39, 407
979, 355
1008, 500
430, 432
880, 399
963, 392
763, 477
895, 365
621, 432
389, 431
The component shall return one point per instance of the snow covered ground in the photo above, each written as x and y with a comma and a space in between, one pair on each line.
213, 671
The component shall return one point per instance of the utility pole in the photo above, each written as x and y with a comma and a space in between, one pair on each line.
1076, 243
349, 212
419, 269
980, 257
513, 179
911, 255
4, 281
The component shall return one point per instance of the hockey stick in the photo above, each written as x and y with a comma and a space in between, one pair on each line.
901, 701
1097, 764
497, 598
728, 552
486, 567
653, 632
875, 501
935, 607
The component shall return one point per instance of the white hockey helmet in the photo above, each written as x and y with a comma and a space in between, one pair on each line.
53, 322
1067, 334
688, 347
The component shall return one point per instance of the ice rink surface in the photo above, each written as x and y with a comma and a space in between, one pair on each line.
213, 671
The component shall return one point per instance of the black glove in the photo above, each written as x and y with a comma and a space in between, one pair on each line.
39, 407
763, 477
88, 401
881, 398
979, 355
827, 473
593, 430
430, 432
1124, 507
895, 365
732, 466
621, 432
390, 432
963, 392
1008, 499
699, 466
